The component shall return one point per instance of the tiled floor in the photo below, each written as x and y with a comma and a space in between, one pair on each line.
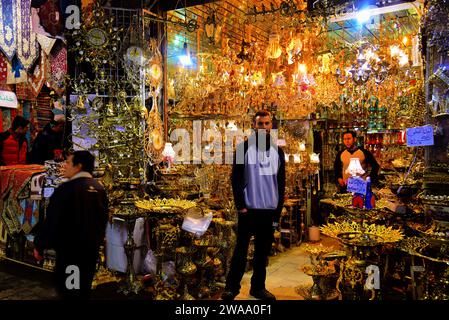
284, 272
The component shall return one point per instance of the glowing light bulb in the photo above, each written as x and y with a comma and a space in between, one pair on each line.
405, 40
302, 68
363, 16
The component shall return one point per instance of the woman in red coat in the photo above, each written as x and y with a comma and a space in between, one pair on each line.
13, 144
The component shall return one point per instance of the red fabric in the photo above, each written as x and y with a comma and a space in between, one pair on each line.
3, 68
13, 180
23, 91
51, 17
37, 79
58, 70
11, 154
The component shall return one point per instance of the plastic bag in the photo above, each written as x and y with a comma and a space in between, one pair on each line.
197, 223
150, 266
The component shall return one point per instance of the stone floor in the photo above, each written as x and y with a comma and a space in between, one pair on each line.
284, 274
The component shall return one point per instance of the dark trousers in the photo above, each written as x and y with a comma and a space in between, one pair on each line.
260, 224
87, 268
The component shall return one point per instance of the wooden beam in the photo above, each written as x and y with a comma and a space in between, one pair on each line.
173, 5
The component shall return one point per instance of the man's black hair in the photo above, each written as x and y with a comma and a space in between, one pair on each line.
86, 159
354, 135
262, 113
19, 121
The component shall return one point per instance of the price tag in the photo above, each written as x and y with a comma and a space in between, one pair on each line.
48, 192
420, 136
357, 185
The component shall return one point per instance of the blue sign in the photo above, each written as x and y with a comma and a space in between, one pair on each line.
420, 136
357, 185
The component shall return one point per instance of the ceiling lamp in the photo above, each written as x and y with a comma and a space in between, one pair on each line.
184, 58
294, 49
363, 16
367, 64
213, 30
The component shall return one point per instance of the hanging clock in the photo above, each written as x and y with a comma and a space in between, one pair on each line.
154, 66
134, 55
155, 73
96, 37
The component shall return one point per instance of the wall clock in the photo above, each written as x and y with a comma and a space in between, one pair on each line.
96, 37
134, 55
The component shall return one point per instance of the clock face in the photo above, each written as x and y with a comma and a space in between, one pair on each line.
135, 55
155, 72
96, 37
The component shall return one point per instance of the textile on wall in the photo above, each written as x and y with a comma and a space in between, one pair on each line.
46, 43
16, 72
58, 70
51, 17
8, 40
26, 113
14, 186
23, 92
37, 79
3, 68
29, 215
27, 47
43, 37
6, 118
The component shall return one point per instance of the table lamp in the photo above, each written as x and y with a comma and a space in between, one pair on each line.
355, 167
169, 154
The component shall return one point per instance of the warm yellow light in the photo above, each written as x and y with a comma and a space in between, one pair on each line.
302, 68
394, 51
405, 40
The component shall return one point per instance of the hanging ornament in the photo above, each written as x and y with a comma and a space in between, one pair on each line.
154, 67
212, 28
274, 49
294, 48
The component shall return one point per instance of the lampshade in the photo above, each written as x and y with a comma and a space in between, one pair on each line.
315, 157
302, 146
355, 167
287, 157
297, 158
168, 152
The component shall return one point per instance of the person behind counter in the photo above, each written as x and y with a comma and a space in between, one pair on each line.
352, 151
48, 144
75, 226
13, 143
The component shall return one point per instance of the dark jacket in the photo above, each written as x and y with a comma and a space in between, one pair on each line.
238, 180
75, 221
21, 144
45, 144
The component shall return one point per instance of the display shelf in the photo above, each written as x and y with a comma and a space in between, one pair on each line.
384, 131
204, 117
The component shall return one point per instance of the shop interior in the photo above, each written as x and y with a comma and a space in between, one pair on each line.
163, 91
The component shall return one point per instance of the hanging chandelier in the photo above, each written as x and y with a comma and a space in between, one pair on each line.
367, 65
